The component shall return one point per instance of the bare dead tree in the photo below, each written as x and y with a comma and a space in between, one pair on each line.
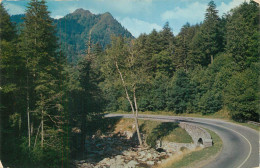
134, 109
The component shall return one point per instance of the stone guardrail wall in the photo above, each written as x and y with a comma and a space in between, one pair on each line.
199, 135
254, 123
173, 147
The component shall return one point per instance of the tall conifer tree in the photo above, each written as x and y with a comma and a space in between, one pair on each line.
243, 34
44, 66
208, 41
11, 69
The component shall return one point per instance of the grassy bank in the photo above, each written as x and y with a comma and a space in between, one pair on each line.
156, 130
198, 157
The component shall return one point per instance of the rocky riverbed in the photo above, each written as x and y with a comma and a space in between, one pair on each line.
120, 151
119, 148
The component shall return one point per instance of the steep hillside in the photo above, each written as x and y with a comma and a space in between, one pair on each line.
17, 18
73, 31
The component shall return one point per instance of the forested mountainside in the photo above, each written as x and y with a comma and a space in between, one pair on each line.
17, 18
74, 29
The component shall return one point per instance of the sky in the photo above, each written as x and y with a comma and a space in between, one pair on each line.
137, 16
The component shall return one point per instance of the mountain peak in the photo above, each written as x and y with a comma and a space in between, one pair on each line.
82, 12
107, 14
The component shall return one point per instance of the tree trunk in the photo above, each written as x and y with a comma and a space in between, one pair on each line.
35, 141
211, 59
89, 43
131, 104
42, 134
136, 119
83, 131
29, 132
31, 128
42, 125
28, 111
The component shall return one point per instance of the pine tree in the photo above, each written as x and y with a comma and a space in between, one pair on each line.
210, 31
179, 92
243, 34
8, 56
167, 37
7, 29
208, 41
11, 76
182, 49
44, 66
241, 95
89, 100
163, 59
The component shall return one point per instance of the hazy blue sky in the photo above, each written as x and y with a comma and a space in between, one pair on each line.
138, 16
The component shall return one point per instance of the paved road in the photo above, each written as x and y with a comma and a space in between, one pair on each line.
240, 144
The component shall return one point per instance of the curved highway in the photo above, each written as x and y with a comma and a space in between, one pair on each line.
240, 144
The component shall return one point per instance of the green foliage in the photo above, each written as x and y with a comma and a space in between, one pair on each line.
182, 57
210, 102
52, 155
7, 31
241, 94
31, 85
159, 98
85, 98
208, 41
208, 85
11, 100
179, 93
243, 34
163, 62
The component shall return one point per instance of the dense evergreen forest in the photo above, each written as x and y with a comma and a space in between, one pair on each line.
49, 106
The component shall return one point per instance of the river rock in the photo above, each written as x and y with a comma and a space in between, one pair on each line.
149, 155
128, 134
143, 159
150, 162
131, 164
86, 165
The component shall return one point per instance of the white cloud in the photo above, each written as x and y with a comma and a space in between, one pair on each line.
57, 16
127, 6
63, 0
224, 8
136, 26
193, 13
13, 9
